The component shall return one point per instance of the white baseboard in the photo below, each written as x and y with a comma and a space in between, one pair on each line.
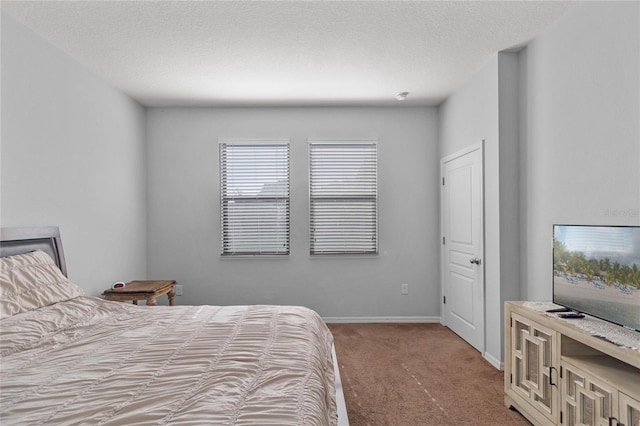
360, 320
494, 361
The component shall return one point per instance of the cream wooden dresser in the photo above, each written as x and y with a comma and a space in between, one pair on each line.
557, 373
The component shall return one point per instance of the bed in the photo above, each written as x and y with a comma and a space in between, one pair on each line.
67, 358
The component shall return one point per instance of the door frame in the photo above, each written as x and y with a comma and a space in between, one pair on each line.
471, 148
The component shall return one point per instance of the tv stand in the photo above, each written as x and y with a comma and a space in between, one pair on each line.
558, 373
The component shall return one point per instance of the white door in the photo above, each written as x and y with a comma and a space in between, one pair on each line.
463, 244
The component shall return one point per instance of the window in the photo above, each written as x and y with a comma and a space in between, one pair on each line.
343, 200
254, 191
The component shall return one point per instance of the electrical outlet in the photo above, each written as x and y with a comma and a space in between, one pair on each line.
405, 288
178, 289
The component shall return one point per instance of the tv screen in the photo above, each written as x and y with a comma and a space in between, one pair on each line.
596, 271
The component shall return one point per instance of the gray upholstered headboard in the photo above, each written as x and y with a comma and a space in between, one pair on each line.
23, 240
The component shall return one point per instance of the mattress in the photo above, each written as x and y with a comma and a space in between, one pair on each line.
91, 361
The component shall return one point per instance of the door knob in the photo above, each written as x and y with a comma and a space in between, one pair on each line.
475, 260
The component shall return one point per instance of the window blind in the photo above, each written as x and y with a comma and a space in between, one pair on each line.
254, 190
343, 210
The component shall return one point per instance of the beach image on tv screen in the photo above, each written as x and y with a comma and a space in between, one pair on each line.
596, 270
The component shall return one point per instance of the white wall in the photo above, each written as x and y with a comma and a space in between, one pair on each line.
184, 216
73, 155
580, 130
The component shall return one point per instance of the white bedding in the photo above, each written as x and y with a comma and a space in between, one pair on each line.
90, 361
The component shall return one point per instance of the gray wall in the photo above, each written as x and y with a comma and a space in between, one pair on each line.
561, 127
73, 155
481, 110
577, 149
184, 216
580, 130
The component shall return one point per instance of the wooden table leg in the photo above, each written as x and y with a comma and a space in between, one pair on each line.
172, 295
151, 301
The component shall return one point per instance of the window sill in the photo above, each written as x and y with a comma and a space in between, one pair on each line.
255, 256
349, 256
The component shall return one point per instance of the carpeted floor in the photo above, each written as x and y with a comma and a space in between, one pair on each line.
417, 375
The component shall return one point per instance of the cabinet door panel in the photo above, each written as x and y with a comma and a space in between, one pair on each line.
586, 401
531, 360
629, 410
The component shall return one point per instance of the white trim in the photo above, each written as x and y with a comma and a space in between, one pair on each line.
345, 140
278, 149
253, 141
493, 361
361, 141
361, 320
478, 146
346, 256
341, 405
227, 257
473, 147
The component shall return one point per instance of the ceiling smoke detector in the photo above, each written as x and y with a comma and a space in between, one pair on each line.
402, 96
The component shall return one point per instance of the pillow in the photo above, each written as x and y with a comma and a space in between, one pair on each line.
30, 281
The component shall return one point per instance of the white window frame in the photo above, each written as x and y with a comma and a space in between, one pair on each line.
260, 249
347, 193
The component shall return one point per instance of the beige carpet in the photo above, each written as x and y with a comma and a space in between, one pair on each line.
417, 374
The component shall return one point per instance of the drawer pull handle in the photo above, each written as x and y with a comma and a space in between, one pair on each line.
551, 376
611, 419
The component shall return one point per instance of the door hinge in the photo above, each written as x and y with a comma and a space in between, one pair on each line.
510, 378
560, 417
442, 181
443, 241
511, 322
561, 372
444, 299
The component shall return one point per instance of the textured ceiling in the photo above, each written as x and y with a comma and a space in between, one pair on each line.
165, 53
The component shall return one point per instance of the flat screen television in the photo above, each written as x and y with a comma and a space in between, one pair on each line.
596, 271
